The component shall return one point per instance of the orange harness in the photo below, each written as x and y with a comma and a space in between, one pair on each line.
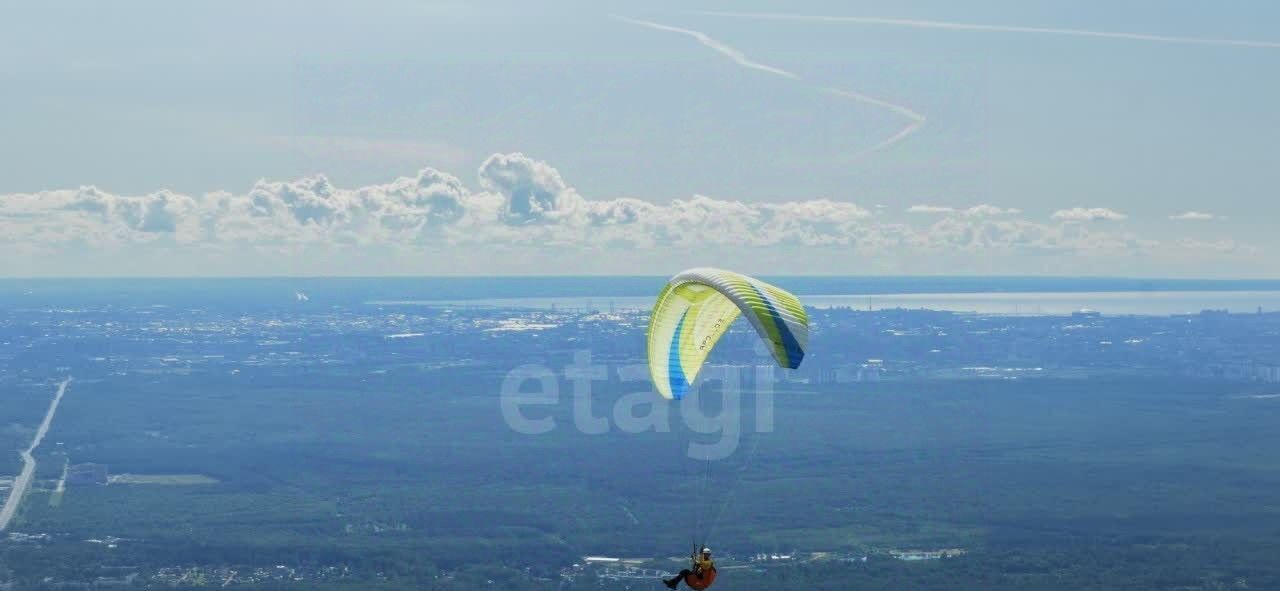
700, 581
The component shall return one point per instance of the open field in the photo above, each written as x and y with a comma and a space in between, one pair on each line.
162, 479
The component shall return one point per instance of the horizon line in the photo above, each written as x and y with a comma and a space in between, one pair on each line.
639, 275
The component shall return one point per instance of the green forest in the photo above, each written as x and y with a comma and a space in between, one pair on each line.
408, 483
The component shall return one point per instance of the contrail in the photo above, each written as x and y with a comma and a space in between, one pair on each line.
737, 56
870, 100
917, 120
929, 24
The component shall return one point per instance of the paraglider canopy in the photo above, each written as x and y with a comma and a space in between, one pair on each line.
696, 308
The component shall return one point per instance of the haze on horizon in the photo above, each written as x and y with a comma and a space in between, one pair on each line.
1130, 138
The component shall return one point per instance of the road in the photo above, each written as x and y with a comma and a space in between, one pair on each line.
23, 481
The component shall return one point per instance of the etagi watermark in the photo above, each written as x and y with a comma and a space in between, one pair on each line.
643, 409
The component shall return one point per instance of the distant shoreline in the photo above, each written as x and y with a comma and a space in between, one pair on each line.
1136, 303
284, 291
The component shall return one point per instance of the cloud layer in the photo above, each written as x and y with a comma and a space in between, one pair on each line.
523, 205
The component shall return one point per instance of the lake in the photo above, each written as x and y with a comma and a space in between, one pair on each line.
1151, 303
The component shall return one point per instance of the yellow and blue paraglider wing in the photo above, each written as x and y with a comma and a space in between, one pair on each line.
695, 309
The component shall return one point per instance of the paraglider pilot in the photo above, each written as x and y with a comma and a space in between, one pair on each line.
700, 576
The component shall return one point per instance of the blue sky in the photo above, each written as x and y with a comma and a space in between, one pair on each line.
608, 135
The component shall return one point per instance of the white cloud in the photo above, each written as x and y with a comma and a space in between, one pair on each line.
523, 211
1088, 214
1194, 216
532, 190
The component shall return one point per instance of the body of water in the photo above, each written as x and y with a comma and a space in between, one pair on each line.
987, 295
1152, 303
